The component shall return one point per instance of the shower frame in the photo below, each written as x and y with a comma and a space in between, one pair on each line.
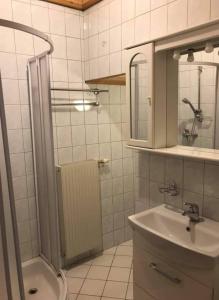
7, 288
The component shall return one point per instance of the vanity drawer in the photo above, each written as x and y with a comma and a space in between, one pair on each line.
164, 282
139, 294
199, 267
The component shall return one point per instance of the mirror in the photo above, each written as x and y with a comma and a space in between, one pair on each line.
198, 103
139, 95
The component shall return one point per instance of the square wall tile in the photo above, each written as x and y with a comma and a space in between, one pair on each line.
142, 6
7, 43
91, 134
211, 208
21, 12
115, 39
72, 25
142, 28
103, 43
193, 176
116, 63
8, 64
157, 168
5, 10
10, 91
174, 171
40, 18
198, 12
59, 46
157, 3
128, 33
103, 18
128, 10
57, 22
159, 22
93, 22
64, 136
214, 9
74, 71
211, 187
115, 13
177, 15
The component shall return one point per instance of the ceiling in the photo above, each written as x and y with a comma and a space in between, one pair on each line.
76, 4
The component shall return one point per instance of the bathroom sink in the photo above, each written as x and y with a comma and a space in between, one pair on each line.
171, 226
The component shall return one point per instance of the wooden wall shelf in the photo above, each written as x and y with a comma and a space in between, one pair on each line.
76, 4
110, 80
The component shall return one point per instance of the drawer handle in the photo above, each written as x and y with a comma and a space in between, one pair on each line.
168, 276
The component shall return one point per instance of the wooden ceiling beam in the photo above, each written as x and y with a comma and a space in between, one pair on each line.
76, 4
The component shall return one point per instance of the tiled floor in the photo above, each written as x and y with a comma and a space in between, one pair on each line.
106, 277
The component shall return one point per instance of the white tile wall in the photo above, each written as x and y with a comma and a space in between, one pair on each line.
197, 182
139, 21
89, 44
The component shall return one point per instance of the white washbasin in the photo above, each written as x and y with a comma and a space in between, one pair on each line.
172, 226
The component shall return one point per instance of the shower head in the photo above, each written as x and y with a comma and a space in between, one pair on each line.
197, 112
186, 101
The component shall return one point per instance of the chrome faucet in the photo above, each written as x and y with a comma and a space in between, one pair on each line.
192, 211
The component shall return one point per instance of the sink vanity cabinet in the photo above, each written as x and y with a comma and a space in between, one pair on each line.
172, 270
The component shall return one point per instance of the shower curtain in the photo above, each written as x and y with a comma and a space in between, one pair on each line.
44, 165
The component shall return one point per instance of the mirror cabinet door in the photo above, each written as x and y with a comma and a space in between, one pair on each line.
140, 97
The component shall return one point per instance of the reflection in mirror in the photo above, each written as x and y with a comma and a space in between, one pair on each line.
139, 97
198, 120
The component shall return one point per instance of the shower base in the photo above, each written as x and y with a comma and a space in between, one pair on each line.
40, 281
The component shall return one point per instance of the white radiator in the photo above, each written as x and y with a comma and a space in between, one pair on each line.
79, 208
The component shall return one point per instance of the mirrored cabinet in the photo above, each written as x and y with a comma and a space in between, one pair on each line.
147, 118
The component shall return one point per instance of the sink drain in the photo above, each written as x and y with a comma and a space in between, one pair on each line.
33, 291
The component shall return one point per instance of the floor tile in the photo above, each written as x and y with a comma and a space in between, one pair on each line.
115, 289
124, 250
103, 260
119, 274
122, 261
98, 272
92, 287
72, 297
86, 297
111, 251
129, 295
74, 285
79, 271
127, 243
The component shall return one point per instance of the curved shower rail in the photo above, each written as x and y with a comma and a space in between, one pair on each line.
30, 30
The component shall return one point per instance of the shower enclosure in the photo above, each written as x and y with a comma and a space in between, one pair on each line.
17, 281
198, 115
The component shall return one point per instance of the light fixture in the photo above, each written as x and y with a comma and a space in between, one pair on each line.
82, 105
209, 47
176, 55
190, 57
